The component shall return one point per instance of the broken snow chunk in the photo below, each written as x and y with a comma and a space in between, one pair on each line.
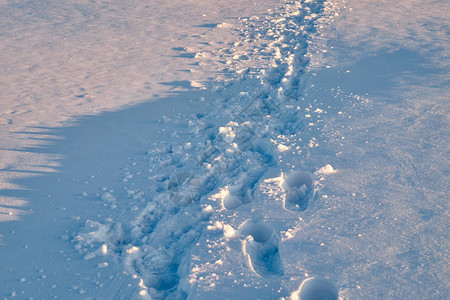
132, 250
326, 170
225, 25
313, 143
233, 124
283, 148
208, 208
202, 55
288, 235
243, 71
197, 84
227, 134
90, 256
228, 231
104, 249
108, 197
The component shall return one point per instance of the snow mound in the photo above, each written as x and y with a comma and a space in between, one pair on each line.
326, 170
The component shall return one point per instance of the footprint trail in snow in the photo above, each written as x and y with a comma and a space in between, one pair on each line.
212, 167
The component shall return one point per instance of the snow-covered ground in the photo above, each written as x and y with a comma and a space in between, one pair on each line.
60, 60
285, 149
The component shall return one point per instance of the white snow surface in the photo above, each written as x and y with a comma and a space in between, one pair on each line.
276, 150
59, 60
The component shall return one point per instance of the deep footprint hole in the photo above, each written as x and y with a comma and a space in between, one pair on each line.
299, 189
263, 249
298, 179
260, 233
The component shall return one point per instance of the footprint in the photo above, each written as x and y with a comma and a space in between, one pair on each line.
261, 246
242, 192
231, 201
316, 289
184, 189
299, 189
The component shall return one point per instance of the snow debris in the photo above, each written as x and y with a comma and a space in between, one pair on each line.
108, 197
283, 148
326, 170
228, 231
197, 84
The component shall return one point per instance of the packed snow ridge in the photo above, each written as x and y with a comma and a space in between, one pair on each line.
215, 165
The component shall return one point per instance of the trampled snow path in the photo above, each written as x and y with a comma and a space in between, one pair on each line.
234, 195
245, 134
152, 247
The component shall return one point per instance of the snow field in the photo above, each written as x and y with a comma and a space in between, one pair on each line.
60, 61
312, 166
